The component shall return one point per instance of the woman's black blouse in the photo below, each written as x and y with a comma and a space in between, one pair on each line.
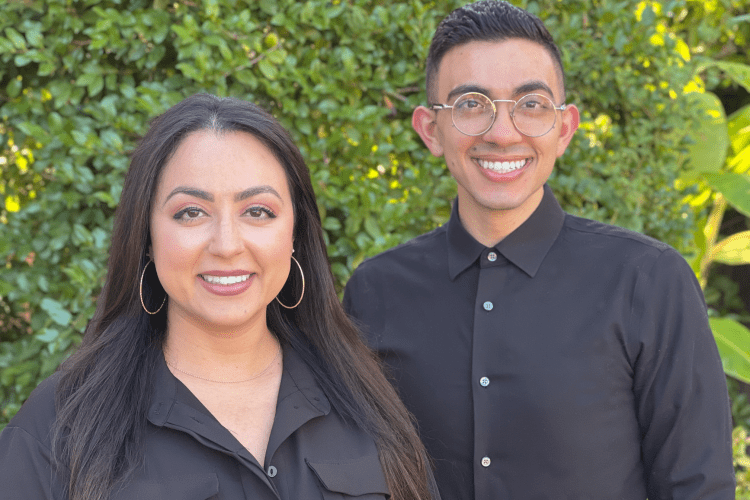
312, 452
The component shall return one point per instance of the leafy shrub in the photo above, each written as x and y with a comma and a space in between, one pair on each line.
80, 79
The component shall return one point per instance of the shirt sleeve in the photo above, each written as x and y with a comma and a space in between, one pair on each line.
25, 470
352, 291
355, 294
363, 305
682, 402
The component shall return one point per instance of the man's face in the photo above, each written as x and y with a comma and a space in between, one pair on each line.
501, 170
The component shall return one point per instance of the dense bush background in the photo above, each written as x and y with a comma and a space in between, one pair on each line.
80, 80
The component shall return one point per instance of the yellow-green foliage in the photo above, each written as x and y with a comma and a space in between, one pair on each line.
740, 443
80, 79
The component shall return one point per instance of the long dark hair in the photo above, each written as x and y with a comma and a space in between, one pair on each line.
104, 389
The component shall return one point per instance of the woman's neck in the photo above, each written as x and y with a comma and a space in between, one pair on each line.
230, 355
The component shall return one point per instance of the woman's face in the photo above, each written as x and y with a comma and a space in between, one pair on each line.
221, 231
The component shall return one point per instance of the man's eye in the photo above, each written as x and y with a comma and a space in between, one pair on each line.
470, 104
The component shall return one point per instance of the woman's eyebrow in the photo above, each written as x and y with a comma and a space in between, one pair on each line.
250, 192
205, 195
198, 193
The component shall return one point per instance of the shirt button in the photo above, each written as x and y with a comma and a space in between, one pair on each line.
271, 471
484, 381
492, 256
486, 462
487, 306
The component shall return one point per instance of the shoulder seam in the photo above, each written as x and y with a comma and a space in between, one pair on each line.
414, 241
626, 234
15, 426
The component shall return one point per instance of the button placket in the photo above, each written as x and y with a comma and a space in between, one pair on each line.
487, 328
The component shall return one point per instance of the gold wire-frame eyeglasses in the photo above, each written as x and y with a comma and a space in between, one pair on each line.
477, 113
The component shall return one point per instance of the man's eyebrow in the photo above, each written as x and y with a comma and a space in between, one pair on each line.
532, 86
205, 195
521, 90
465, 89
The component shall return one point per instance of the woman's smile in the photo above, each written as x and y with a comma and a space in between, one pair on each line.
221, 231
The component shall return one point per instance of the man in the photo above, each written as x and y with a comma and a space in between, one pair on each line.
544, 356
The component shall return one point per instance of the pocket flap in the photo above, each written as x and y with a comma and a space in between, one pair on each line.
352, 477
188, 487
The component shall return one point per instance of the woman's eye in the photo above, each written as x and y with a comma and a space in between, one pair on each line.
189, 213
260, 213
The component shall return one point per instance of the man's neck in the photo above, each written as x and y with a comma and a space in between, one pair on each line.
491, 226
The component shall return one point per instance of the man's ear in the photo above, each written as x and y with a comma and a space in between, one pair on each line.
423, 122
570, 120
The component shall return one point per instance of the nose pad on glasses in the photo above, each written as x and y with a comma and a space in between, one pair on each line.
503, 125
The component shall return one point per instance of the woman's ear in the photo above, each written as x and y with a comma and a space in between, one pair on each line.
423, 122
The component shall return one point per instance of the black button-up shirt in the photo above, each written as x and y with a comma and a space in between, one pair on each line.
312, 453
571, 361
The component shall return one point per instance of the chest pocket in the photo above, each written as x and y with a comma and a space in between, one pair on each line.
361, 478
192, 487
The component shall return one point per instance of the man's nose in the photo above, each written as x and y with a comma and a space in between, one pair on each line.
503, 130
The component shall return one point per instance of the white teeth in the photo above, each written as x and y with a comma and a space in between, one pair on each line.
502, 166
224, 280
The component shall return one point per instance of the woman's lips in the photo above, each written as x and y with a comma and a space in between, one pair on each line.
226, 285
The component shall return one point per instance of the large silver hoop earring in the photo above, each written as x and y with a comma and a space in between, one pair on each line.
140, 291
303, 287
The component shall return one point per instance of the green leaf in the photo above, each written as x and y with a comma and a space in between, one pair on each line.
739, 128
372, 228
709, 151
34, 37
14, 87
48, 335
56, 311
735, 188
733, 250
268, 69
16, 38
738, 72
733, 341
331, 224
740, 163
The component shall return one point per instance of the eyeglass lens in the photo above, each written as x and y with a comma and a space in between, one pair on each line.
534, 114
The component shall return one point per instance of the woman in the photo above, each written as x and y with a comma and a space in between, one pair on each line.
219, 363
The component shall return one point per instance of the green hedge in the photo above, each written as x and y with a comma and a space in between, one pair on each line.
80, 79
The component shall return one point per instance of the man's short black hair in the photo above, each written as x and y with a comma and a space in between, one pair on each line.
487, 21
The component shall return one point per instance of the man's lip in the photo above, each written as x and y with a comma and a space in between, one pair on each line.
495, 159
526, 162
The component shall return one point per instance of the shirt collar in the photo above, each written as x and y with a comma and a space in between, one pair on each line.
525, 247
297, 378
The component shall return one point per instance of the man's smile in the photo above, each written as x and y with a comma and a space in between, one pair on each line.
503, 167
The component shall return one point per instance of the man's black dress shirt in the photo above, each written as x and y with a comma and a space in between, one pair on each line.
312, 452
571, 361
